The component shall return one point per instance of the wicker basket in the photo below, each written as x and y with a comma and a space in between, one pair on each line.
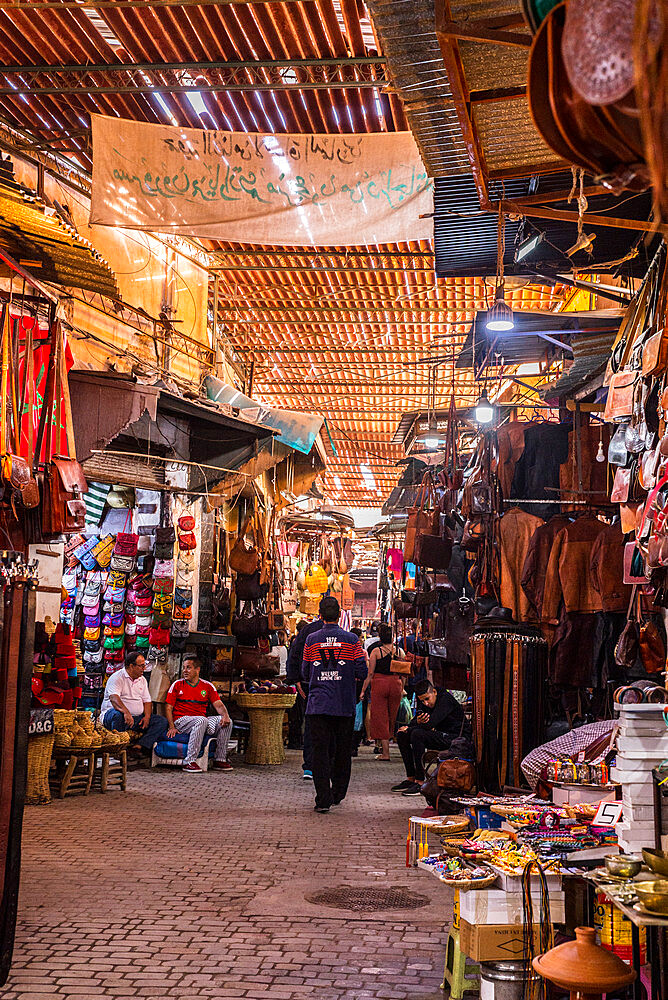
39, 761
245, 700
266, 713
452, 824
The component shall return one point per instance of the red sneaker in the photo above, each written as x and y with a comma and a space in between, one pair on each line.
192, 768
222, 765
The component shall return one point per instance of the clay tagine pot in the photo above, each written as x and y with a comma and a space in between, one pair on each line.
583, 967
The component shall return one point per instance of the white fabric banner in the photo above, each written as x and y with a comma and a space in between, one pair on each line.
295, 190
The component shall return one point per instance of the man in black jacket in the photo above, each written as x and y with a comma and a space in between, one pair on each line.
441, 722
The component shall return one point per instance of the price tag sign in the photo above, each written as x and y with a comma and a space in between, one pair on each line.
608, 814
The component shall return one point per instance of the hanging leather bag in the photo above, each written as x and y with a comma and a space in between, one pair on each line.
241, 558
255, 664
423, 519
434, 552
627, 649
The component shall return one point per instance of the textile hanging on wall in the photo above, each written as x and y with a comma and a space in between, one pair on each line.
294, 190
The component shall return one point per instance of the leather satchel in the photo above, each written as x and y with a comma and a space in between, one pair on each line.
248, 587
627, 648
621, 486
655, 354
252, 663
398, 666
456, 775
241, 558
249, 626
422, 520
651, 647
619, 404
434, 552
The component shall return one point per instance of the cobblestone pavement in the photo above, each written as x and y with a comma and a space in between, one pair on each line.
194, 886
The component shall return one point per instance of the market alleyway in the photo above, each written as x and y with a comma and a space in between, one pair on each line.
190, 886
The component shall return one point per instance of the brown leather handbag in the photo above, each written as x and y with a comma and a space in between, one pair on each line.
456, 775
619, 404
241, 558
423, 519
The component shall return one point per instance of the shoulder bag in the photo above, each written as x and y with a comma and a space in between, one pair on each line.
241, 558
423, 519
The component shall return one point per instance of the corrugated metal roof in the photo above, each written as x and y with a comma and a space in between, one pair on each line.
39, 239
591, 353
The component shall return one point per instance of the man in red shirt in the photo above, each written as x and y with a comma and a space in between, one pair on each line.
187, 702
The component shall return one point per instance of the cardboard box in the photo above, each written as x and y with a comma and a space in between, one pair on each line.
494, 906
564, 795
494, 942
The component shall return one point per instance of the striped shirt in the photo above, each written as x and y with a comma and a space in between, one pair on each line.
191, 700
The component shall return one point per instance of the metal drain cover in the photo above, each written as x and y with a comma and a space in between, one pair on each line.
349, 897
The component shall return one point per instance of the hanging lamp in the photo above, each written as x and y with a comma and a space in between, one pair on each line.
500, 316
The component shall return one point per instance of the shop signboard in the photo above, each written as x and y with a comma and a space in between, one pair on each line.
291, 190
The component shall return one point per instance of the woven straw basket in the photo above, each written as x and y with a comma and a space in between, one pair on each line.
39, 761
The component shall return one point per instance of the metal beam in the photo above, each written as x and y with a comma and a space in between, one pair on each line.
203, 77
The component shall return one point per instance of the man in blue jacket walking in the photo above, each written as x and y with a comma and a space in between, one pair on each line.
333, 661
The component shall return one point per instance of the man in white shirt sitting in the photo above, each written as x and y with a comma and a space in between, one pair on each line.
127, 703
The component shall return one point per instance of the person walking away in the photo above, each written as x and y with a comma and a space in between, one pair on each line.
294, 676
359, 734
296, 713
186, 704
333, 661
440, 721
386, 690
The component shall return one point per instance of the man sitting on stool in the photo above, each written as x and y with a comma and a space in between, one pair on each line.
186, 704
441, 722
127, 703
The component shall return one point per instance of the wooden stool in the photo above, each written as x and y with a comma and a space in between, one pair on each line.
109, 774
68, 781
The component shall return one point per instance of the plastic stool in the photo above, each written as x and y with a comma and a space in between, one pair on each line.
455, 970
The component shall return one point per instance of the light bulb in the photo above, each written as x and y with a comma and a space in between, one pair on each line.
600, 456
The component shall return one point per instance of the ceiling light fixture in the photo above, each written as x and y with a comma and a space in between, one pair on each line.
528, 246
484, 411
500, 316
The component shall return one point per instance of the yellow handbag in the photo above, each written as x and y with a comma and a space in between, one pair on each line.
316, 580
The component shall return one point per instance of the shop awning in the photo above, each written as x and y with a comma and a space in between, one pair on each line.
45, 244
130, 422
590, 358
297, 430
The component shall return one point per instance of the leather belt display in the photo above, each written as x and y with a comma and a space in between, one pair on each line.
508, 669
